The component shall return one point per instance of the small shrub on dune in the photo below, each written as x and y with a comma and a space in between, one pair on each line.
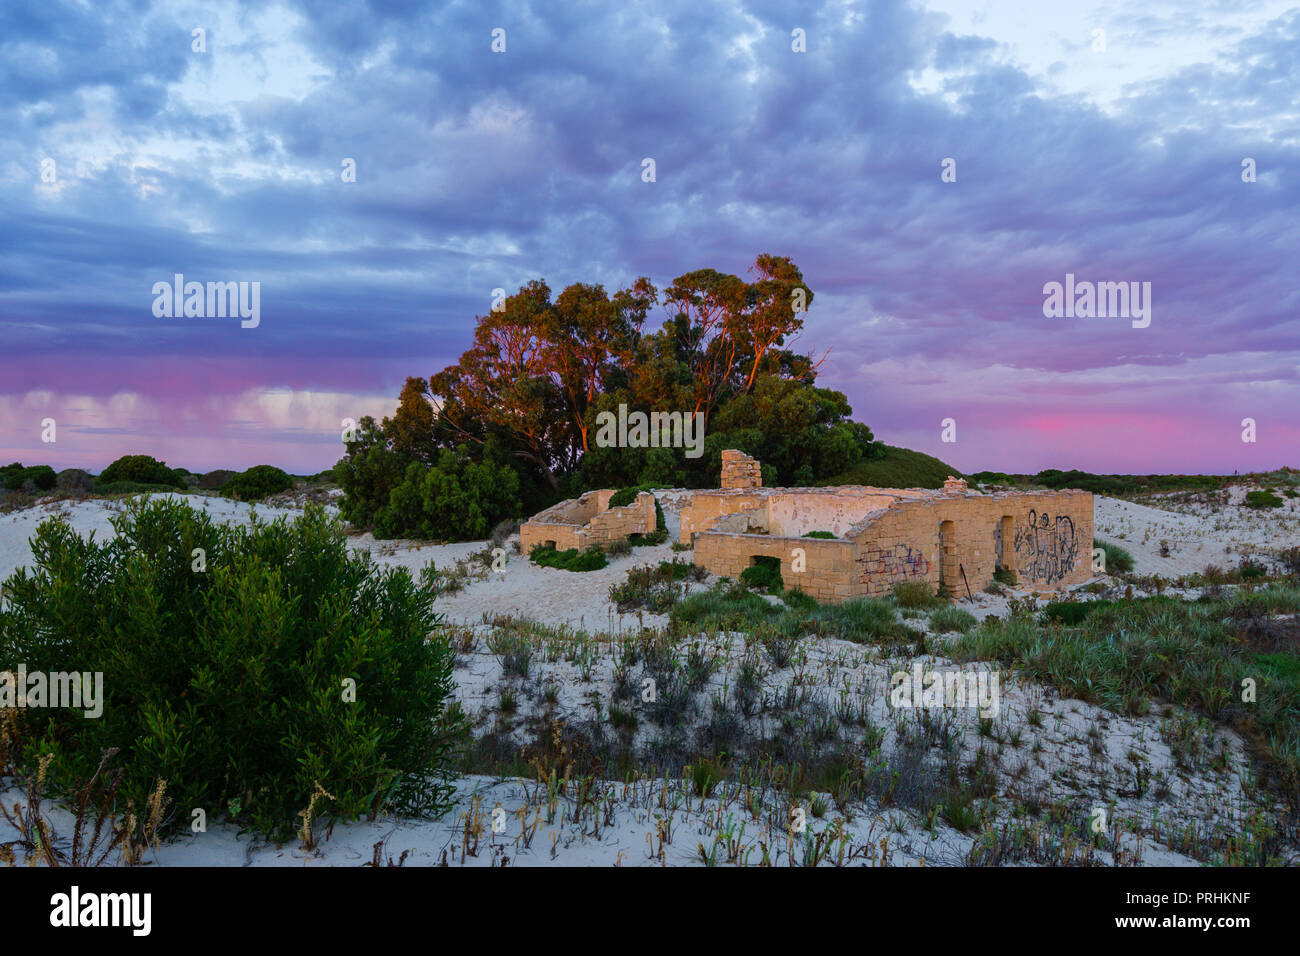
232, 683
141, 469
952, 619
257, 483
764, 575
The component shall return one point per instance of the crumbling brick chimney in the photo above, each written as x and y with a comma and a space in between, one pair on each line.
740, 471
954, 484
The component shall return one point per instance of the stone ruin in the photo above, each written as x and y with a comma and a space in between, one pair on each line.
950, 538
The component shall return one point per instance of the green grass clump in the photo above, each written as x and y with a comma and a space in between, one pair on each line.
914, 594
1117, 559
949, 618
820, 534
570, 559
1004, 575
1262, 499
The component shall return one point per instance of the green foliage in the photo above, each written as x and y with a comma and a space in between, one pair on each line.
915, 594
457, 498
1117, 559
142, 469
654, 589
949, 618
1004, 575
764, 574
820, 534
229, 683
1262, 499
35, 478
571, 559
896, 468
257, 483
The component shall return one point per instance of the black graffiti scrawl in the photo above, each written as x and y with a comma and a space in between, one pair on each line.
1045, 549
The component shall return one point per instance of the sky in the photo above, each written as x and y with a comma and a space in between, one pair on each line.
1107, 141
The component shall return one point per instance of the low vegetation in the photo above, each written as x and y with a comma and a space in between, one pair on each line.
250, 672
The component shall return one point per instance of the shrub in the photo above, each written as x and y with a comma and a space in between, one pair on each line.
457, 499
764, 574
914, 594
819, 534
229, 683
142, 469
257, 483
571, 559
214, 480
1117, 559
74, 480
28, 480
1262, 499
1004, 575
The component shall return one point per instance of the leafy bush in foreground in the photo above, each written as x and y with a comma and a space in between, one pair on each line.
230, 682
257, 483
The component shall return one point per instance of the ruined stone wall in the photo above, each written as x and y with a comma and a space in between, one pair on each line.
707, 506
740, 471
618, 524
827, 565
794, 513
937, 539
565, 523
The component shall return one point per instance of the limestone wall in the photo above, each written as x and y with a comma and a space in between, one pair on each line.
937, 539
587, 520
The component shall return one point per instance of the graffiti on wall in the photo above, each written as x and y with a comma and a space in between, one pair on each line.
1045, 549
898, 563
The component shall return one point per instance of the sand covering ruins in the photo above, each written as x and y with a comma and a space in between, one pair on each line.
953, 537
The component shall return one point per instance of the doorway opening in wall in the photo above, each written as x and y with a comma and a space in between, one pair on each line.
763, 573
1004, 571
548, 544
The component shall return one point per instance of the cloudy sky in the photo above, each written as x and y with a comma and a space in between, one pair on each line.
1105, 140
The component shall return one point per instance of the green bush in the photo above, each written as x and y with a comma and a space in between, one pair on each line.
1262, 499
1071, 613
1117, 559
230, 682
819, 534
142, 469
457, 499
571, 559
1004, 575
257, 483
35, 478
764, 574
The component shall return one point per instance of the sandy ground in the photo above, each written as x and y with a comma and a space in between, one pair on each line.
1080, 754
